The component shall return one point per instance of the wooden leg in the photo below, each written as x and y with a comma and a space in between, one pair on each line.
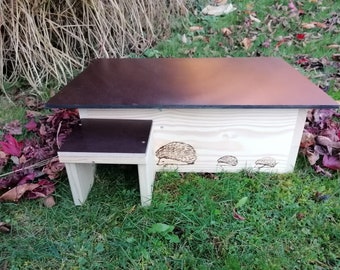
81, 177
146, 175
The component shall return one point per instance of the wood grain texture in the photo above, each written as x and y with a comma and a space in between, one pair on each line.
260, 139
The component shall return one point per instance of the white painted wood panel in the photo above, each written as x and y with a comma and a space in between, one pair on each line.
201, 137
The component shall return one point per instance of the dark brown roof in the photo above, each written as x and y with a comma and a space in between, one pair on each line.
263, 82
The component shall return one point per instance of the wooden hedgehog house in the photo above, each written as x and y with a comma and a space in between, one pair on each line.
209, 114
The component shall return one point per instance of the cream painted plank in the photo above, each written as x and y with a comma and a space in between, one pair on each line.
101, 158
249, 135
81, 178
296, 140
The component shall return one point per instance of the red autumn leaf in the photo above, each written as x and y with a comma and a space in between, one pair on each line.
26, 179
44, 189
31, 125
300, 36
302, 61
292, 6
282, 41
237, 215
11, 146
331, 162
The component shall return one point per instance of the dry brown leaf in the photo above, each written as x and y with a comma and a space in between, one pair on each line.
325, 141
226, 31
49, 201
320, 25
16, 193
195, 38
5, 227
3, 155
253, 18
307, 139
308, 25
195, 28
311, 25
312, 157
334, 46
336, 57
269, 26
219, 2
247, 43
184, 39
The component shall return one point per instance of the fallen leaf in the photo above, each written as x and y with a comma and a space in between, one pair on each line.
300, 216
31, 125
308, 25
312, 157
292, 6
247, 43
49, 201
321, 170
226, 31
11, 146
311, 25
5, 227
3, 155
237, 215
325, 141
195, 28
219, 2
266, 44
269, 26
331, 162
307, 139
254, 18
44, 189
300, 36
320, 25
13, 128
282, 41
16, 193
241, 202
218, 10
334, 46
336, 57
184, 39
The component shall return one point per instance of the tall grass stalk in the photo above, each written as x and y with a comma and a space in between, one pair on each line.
44, 40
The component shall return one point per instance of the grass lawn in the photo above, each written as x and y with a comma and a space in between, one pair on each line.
289, 221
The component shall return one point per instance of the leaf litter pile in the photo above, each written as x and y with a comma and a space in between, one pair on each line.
28, 155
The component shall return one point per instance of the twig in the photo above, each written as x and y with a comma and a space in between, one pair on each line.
58, 130
35, 165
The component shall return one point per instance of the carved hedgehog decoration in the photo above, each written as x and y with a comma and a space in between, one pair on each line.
176, 153
228, 160
266, 162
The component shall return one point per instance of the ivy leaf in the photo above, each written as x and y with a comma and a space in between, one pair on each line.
173, 238
161, 228
241, 202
